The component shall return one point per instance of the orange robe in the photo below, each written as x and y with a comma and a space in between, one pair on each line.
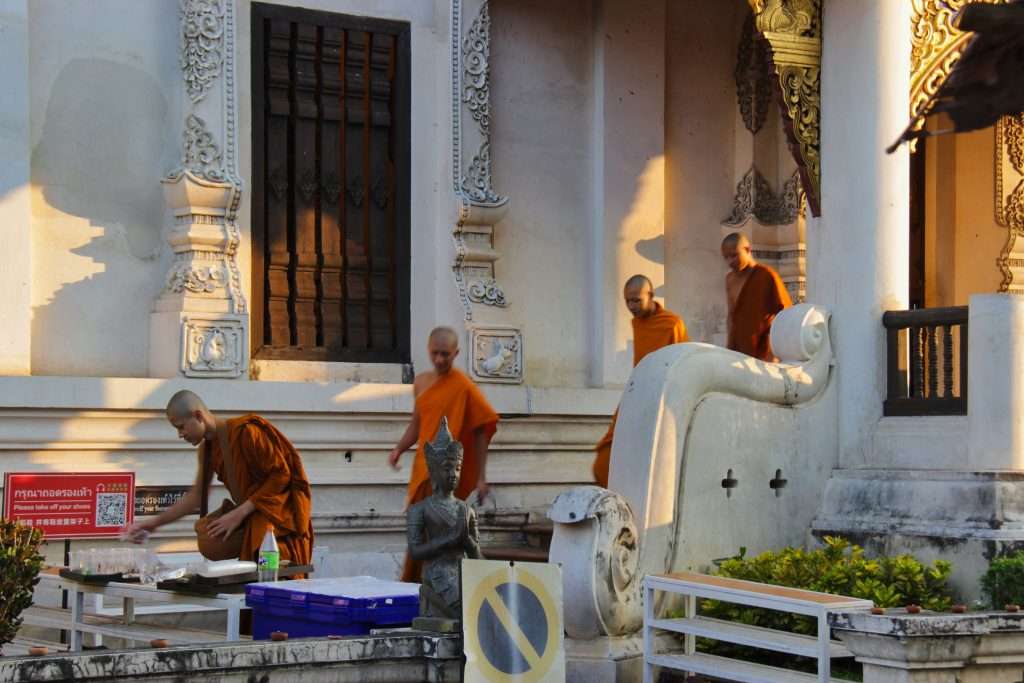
750, 318
452, 395
661, 328
270, 475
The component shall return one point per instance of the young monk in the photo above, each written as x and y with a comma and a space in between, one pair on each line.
265, 478
756, 294
653, 328
446, 392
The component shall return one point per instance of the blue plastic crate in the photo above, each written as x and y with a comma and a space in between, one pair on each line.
321, 607
265, 622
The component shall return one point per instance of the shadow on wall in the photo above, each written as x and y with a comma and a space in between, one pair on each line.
99, 158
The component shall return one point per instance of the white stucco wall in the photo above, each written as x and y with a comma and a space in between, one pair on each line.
102, 78
541, 93
15, 211
700, 130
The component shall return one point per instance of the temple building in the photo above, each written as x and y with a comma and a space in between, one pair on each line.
273, 203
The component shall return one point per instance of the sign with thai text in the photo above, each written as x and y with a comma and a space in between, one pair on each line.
81, 505
152, 500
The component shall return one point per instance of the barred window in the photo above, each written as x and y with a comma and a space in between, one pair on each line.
331, 177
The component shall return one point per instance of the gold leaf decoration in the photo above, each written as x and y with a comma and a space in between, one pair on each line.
793, 29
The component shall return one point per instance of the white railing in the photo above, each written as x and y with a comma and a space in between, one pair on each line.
693, 586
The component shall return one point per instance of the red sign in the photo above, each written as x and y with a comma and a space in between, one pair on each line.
71, 505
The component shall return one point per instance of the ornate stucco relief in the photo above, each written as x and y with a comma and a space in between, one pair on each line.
755, 199
496, 354
213, 346
204, 194
793, 29
753, 75
1009, 200
200, 154
480, 207
202, 44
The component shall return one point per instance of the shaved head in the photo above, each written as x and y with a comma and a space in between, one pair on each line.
639, 295
443, 335
442, 347
184, 404
736, 252
735, 240
639, 281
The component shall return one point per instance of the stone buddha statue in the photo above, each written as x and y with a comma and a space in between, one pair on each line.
441, 531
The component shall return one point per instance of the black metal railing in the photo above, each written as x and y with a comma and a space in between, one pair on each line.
926, 367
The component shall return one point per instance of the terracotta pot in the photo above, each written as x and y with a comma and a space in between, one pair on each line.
159, 642
278, 635
1012, 608
878, 610
913, 609
38, 650
958, 609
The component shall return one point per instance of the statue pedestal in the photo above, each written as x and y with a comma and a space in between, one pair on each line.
606, 659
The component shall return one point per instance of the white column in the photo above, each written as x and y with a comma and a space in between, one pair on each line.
995, 391
15, 206
858, 249
628, 174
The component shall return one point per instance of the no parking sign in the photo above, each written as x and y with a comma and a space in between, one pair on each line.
512, 622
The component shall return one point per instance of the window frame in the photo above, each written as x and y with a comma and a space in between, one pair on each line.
402, 126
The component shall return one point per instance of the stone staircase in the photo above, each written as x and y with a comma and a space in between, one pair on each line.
531, 544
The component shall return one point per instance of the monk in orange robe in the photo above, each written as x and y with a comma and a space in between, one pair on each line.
756, 294
445, 391
266, 480
653, 328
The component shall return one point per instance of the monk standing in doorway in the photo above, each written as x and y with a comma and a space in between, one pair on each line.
756, 294
653, 328
442, 392
263, 474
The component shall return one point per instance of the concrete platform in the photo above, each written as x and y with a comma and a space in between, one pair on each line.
402, 657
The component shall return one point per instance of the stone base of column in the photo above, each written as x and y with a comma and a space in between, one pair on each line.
961, 516
198, 345
604, 660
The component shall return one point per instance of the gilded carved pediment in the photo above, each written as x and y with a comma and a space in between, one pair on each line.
793, 30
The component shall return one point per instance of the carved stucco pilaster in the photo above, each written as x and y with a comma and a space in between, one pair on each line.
793, 30
203, 306
1010, 200
479, 206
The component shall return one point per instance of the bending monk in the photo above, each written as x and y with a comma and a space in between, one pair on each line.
446, 392
653, 328
756, 294
264, 476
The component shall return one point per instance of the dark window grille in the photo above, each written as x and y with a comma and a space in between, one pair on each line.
331, 223
926, 351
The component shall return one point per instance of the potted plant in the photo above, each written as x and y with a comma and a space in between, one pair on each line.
20, 563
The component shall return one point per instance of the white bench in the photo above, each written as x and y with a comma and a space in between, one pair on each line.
78, 622
693, 586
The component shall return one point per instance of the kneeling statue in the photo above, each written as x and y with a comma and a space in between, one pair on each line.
441, 531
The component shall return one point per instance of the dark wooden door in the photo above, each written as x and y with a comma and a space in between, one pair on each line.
331, 224
916, 270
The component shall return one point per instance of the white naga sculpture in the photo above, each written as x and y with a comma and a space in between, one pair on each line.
607, 540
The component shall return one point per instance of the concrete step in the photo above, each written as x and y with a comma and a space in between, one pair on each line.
515, 553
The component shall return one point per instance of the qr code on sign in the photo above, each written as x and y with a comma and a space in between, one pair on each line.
111, 509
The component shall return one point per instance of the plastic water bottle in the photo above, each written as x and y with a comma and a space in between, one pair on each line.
270, 556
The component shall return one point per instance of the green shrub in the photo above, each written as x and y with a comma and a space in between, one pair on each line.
1004, 580
839, 568
20, 563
